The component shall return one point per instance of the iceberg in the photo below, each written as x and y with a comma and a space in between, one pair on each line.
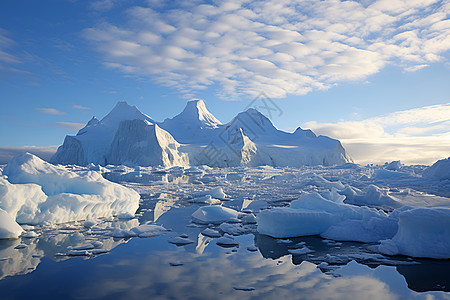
195, 137
422, 232
9, 229
439, 170
37, 192
312, 214
215, 215
141, 143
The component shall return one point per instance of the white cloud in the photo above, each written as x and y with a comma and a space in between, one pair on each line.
50, 111
80, 107
70, 125
6, 57
288, 47
6, 153
415, 136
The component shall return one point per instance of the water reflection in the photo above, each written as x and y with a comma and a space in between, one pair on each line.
152, 268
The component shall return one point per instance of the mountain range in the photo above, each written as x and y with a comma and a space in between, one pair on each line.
195, 137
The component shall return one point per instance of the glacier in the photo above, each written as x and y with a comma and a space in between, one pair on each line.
193, 138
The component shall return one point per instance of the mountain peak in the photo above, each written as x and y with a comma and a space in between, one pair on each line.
124, 111
196, 110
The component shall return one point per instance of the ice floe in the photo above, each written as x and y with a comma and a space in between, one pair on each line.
37, 192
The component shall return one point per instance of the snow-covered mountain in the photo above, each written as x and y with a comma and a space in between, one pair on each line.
195, 137
139, 142
92, 142
193, 125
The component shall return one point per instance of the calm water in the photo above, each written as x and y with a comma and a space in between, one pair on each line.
259, 268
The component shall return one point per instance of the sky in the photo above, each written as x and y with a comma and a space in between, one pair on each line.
373, 74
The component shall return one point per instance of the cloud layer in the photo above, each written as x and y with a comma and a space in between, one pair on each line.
279, 47
416, 136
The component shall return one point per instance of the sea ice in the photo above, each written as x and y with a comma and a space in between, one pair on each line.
37, 192
215, 215
439, 170
9, 229
422, 232
312, 214
215, 193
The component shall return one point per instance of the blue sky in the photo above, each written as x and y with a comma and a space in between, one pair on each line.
374, 74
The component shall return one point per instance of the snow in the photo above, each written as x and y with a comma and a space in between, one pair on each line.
141, 143
422, 232
394, 166
195, 137
91, 144
373, 197
215, 215
148, 230
312, 214
37, 192
439, 170
206, 199
300, 251
9, 229
227, 241
211, 233
216, 193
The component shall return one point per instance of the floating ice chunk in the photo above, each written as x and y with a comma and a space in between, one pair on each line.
180, 241
234, 229
245, 289
207, 199
211, 233
83, 247
333, 195
375, 197
322, 182
256, 205
287, 222
215, 215
312, 214
252, 248
42, 192
227, 241
78, 253
9, 229
439, 170
422, 232
394, 165
389, 174
148, 230
248, 219
300, 251
214, 193
29, 234
120, 233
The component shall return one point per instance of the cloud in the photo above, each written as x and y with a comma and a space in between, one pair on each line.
70, 125
6, 153
50, 111
416, 136
7, 58
289, 47
81, 107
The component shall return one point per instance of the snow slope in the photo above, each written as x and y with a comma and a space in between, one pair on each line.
439, 170
37, 192
193, 125
92, 142
139, 142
